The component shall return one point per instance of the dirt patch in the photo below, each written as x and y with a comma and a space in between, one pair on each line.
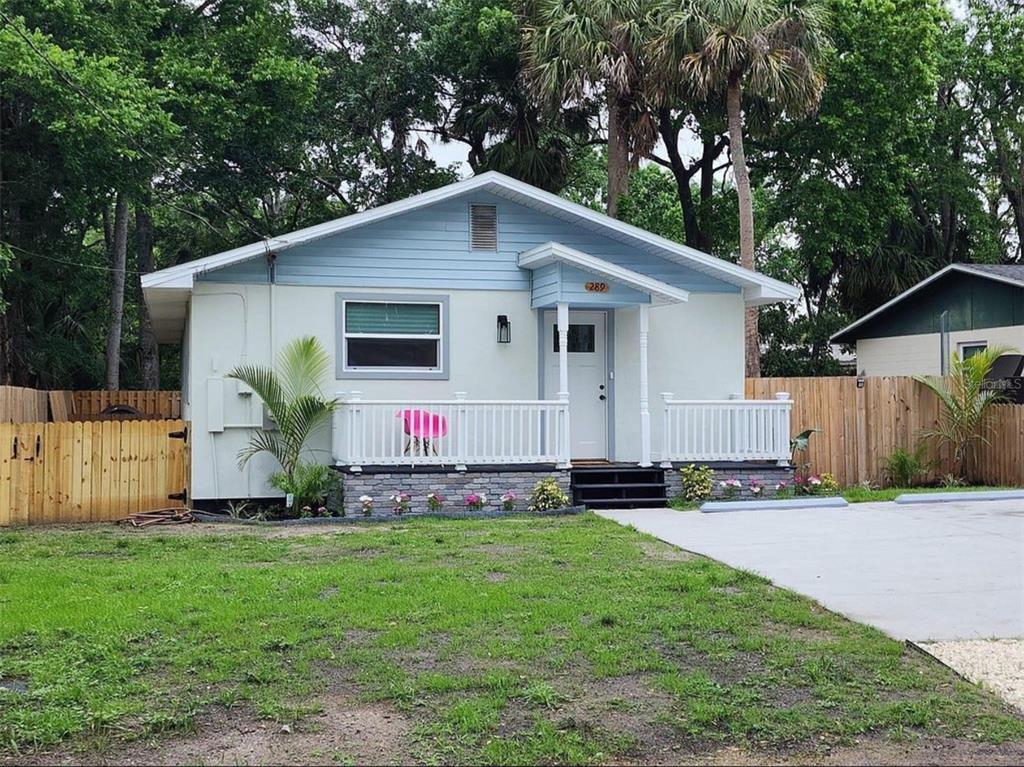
498, 549
496, 577
664, 552
345, 732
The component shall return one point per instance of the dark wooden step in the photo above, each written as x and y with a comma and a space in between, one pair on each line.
619, 487
626, 503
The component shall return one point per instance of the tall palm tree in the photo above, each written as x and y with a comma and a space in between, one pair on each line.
575, 49
771, 51
295, 403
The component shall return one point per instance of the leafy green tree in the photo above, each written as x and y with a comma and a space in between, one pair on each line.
474, 51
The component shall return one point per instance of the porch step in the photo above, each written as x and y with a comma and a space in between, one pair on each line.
606, 487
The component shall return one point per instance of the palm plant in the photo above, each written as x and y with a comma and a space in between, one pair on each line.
297, 406
575, 50
768, 51
965, 406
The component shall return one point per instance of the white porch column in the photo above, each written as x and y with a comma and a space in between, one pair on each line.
645, 413
563, 350
562, 319
666, 431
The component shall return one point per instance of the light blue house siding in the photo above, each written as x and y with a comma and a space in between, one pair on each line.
559, 282
429, 248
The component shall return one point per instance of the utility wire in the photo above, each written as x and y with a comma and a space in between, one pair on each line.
99, 267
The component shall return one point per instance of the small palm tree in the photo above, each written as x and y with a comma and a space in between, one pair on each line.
297, 406
767, 51
965, 415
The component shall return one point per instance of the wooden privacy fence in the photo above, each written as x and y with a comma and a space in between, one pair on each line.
90, 471
21, 405
162, 404
862, 425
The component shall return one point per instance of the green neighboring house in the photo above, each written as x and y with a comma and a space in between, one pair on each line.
983, 306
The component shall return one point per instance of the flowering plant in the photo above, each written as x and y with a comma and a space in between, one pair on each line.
321, 511
508, 501
435, 501
781, 487
730, 487
475, 501
756, 488
806, 484
400, 502
366, 501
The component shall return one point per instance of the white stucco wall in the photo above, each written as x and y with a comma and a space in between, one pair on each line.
231, 324
920, 354
695, 351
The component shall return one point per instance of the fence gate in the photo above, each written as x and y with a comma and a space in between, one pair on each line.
91, 471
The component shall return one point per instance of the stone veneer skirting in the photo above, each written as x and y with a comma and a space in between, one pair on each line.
768, 474
453, 486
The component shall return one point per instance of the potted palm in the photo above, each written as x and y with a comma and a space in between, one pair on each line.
297, 406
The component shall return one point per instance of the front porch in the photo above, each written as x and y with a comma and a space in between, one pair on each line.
582, 304
461, 432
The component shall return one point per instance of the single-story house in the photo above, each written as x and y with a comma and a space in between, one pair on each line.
983, 305
483, 334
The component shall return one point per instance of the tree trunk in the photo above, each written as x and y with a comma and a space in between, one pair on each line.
118, 257
752, 342
692, 235
148, 348
618, 153
1012, 180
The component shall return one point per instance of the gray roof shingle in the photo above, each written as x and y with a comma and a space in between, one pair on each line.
1006, 271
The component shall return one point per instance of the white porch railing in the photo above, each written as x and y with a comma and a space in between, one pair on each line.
456, 432
725, 430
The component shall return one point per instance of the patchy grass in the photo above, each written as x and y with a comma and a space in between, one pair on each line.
593, 647
858, 494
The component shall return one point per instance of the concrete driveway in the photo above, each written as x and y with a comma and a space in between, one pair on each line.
923, 572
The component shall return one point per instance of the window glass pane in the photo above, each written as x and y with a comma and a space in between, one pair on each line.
397, 319
581, 339
968, 351
392, 353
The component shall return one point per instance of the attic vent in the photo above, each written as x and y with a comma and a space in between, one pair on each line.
483, 227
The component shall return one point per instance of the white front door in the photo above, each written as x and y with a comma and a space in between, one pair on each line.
588, 379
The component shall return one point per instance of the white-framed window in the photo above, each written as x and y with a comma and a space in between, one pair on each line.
968, 349
386, 336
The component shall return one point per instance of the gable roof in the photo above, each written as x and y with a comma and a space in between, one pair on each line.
167, 290
556, 252
1012, 274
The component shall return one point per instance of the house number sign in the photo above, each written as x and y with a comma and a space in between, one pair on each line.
596, 287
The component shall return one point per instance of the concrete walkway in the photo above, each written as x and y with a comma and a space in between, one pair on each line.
924, 572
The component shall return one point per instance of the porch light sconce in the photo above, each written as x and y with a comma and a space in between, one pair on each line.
504, 329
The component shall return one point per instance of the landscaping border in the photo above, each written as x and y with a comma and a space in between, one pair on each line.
205, 516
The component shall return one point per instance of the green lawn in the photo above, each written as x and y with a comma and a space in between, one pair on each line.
865, 494
524, 640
